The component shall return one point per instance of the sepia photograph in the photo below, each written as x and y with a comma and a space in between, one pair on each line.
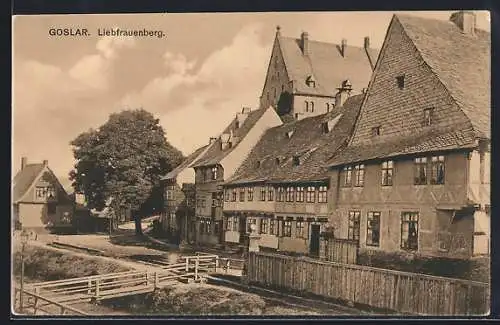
291, 164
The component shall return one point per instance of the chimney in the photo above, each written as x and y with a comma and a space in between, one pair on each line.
246, 110
343, 47
45, 162
304, 42
367, 43
343, 93
24, 162
465, 20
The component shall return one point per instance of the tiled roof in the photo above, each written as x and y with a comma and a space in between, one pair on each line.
24, 178
215, 153
308, 143
461, 62
327, 66
440, 140
185, 164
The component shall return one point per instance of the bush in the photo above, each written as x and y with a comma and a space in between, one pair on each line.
193, 300
46, 264
473, 269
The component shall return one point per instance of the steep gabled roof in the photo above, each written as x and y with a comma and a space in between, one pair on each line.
24, 179
308, 144
215, 154
461, 62
327, 64
185, 164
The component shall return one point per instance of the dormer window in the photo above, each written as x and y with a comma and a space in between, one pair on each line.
277, 160
289, 134
428, 115
237, 124
330, 124
258, 163
375, 131
296, 160
400, 81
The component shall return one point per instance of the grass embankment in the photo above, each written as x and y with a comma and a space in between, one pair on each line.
44, 264
202, 299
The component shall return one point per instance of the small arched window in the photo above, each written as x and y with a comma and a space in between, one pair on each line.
306, 103
312, 106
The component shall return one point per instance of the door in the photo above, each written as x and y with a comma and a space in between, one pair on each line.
314, 243
242, 229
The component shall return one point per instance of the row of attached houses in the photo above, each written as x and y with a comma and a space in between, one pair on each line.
389, 149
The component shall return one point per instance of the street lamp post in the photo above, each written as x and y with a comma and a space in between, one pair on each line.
24, 241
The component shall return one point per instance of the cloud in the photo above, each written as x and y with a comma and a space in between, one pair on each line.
51, 105
196, 104
94, 70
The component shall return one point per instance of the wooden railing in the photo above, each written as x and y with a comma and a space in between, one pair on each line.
37, 304
98, 287
387, 289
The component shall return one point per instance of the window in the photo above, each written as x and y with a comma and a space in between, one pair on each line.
353, 231
216, 227
251, 221
437, 170
250, 194
400, 81
226, 195
327, 107
277, 160
296, 160
296, 115
264, 225
237, 124
375, 131
387, 171
229, 223
203, 202
322, 194
348, 176
420, 171
242, 194
275, 93
306, 103
299, 229
373, 229
287, 228
310, 194
409, 230
428, 115
262, 193
299, 195
281, 194
214, 173
204, 175
270, 193
289, 194
233, 195
236, 222
312, 106
359, 175
273, 229
45, 192
170, 193
257, 164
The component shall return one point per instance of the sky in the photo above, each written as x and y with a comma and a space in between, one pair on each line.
195, 79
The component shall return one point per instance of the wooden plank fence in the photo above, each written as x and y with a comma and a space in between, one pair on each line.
386, 289
341, 250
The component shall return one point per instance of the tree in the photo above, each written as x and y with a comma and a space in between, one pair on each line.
123, 160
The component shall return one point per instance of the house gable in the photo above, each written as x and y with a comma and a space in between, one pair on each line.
45, 178
277, 81
396, 109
